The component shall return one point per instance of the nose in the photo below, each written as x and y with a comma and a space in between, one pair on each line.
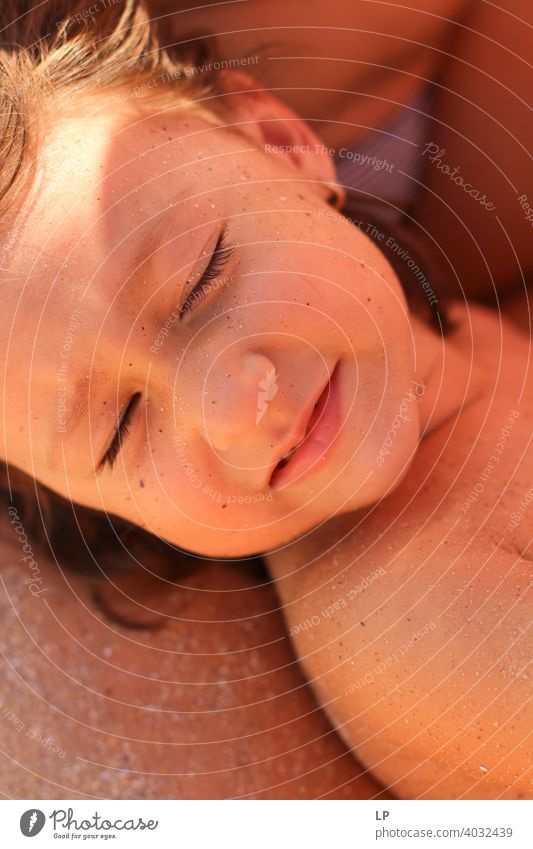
236, 398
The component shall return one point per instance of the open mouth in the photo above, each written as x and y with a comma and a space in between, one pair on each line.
322, 428
313, 418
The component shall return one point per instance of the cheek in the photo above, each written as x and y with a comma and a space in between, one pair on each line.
189, 486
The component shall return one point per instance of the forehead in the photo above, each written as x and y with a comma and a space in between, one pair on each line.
93, 164
101, 177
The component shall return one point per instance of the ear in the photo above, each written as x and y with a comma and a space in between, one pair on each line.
276, 129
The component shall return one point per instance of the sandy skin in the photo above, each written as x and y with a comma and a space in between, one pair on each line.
419, 608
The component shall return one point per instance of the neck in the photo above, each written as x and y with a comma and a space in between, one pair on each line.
451, 382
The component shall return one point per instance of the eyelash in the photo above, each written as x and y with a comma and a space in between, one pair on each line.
120, 432
219, 259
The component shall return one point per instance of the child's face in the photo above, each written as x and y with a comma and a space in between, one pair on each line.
226, 388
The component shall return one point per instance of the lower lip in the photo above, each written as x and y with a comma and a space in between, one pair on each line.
326, 422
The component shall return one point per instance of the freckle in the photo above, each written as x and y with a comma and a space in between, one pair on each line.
363, 623
141, 484
224, 505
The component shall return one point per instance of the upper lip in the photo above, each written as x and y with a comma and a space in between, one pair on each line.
298, 433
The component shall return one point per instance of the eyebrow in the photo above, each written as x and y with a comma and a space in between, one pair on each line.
77, 405
77, 402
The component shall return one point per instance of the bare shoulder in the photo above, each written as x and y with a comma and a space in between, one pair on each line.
411, 618
415, 636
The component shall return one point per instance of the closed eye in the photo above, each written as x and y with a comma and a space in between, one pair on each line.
121, 431
218, 262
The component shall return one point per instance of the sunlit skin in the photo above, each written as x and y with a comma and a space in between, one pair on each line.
413, 619
338, 63
303, 291
347, 66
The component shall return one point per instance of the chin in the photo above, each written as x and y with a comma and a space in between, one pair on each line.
380, 481
229, 545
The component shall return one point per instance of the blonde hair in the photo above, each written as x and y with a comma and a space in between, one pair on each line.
53, 51
56, 52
